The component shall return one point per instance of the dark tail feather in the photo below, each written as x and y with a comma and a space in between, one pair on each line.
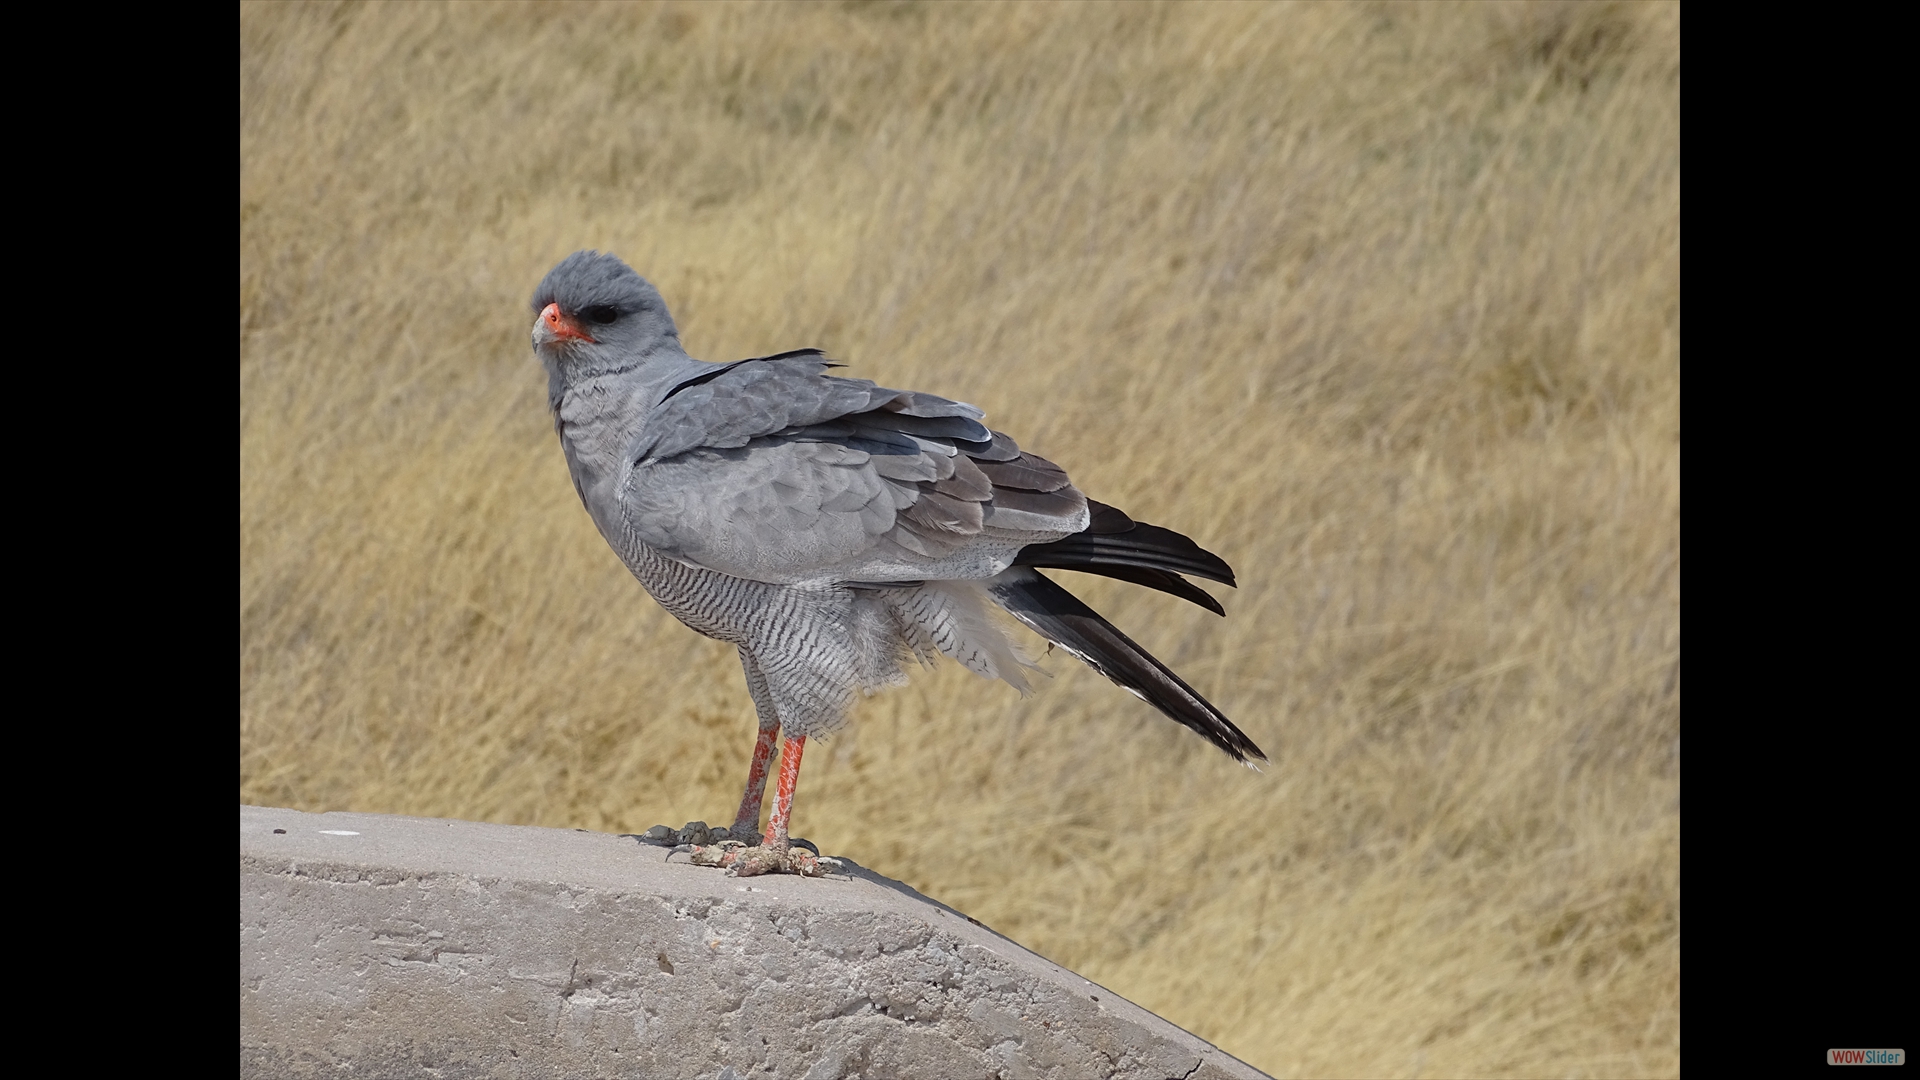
1116, 546
1162, 580
1057, 615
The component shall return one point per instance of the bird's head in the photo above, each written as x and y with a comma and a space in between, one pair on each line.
593, 314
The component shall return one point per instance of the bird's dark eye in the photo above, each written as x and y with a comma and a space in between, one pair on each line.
600, 313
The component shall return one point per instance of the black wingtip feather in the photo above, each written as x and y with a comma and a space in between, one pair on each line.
1083, 550
1152, 577
1116, 546
1060, 617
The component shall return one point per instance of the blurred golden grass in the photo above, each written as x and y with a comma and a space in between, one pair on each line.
1380, 302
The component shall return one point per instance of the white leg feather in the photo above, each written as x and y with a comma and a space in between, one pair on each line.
952, 617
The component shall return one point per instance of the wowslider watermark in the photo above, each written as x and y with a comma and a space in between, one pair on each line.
1866, 1057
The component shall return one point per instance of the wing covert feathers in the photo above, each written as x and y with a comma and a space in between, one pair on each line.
937, 483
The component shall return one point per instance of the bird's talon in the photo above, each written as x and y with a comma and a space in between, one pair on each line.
741, 859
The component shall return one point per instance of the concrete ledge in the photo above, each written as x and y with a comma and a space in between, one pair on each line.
396, 947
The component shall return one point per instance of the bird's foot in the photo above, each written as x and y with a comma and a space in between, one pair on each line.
801, 858
738, 849
696, 834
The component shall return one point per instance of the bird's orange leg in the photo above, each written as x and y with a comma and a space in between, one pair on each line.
776, 853
790, 751
747, 820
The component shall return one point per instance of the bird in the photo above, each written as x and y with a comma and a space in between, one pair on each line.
834, 531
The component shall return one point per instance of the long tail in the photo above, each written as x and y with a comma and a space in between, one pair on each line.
1057, 615
1116, 546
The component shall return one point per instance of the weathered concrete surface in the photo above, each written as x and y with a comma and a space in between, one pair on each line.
396, 947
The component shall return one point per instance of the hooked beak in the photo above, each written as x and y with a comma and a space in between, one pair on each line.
561, 326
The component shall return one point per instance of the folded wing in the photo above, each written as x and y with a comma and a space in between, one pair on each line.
772, 470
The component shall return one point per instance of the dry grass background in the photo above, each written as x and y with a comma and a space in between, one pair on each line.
1380, 302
